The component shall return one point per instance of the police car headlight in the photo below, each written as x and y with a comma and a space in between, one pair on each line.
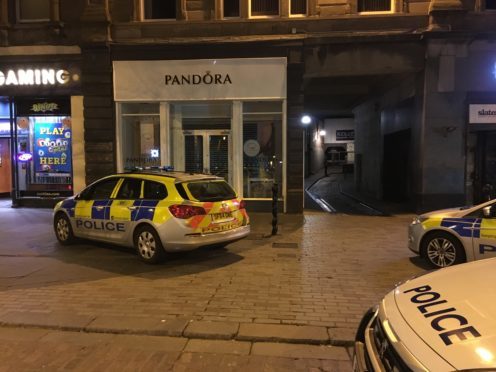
418, 219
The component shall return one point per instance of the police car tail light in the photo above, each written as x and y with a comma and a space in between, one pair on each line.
242, 204
186, 211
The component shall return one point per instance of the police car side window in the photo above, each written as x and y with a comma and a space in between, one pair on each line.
154, 191
103, 190
130, 189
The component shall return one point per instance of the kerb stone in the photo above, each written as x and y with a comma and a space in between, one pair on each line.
211, 330
283, 333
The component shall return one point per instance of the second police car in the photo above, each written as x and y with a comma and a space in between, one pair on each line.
451, 236
440, 321
154, 211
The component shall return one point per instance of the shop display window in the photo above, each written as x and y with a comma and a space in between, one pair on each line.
201, 137
262, 148
140, 142
44, 155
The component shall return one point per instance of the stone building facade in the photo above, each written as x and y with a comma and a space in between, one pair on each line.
411, 75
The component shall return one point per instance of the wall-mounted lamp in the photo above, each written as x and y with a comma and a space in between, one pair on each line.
322, 132
306, 119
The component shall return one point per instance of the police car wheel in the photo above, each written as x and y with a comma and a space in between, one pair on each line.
148, 245
63, 229
442, 250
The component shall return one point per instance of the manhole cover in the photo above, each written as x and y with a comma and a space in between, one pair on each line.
284, 245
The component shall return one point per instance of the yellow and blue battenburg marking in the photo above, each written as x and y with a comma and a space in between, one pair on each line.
463, 226
101, 209
145, 209
69, 205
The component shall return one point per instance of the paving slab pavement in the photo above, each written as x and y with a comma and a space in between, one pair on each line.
37, 349
320, 272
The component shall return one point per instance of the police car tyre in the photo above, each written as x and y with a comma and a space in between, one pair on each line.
148, 245
63, 229
442, 249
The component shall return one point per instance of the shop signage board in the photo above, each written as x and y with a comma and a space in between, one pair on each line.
345, 134
40, 78
482, 114
213, 79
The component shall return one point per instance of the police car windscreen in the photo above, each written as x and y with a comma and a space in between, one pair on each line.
211, 190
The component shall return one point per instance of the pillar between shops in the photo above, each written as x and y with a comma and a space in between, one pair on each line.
295, 178
442, 138
99, 120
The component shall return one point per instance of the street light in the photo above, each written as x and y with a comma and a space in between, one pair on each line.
306, 119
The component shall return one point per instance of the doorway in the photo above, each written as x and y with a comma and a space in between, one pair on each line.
396, 165
485, 166
207, 151
5, 167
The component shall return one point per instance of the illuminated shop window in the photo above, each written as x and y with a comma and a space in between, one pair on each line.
159, 9
201, 137
262, 148
44, 155
33, 10
374, 5
264, 8
140, 141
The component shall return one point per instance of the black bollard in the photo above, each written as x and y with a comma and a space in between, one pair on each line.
274, 208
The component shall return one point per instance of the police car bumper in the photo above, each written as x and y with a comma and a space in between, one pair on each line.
195, 240
386, 342
415, 232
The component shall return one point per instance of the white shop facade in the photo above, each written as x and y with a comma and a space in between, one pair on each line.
218, 116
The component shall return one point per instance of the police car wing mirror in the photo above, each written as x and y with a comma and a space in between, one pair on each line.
81, 196
489, 211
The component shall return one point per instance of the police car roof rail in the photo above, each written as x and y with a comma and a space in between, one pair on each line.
167, 168
154, 170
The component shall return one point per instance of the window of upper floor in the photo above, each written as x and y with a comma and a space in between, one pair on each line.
33, 10
272, 8
298, 7
375, 6
168, 9
158, 9
264, 8
230, 8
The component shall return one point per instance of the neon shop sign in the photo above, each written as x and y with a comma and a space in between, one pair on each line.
42, 76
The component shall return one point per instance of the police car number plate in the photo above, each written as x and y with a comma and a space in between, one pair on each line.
221, 217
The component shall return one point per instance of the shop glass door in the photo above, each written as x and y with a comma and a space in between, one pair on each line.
207, 151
